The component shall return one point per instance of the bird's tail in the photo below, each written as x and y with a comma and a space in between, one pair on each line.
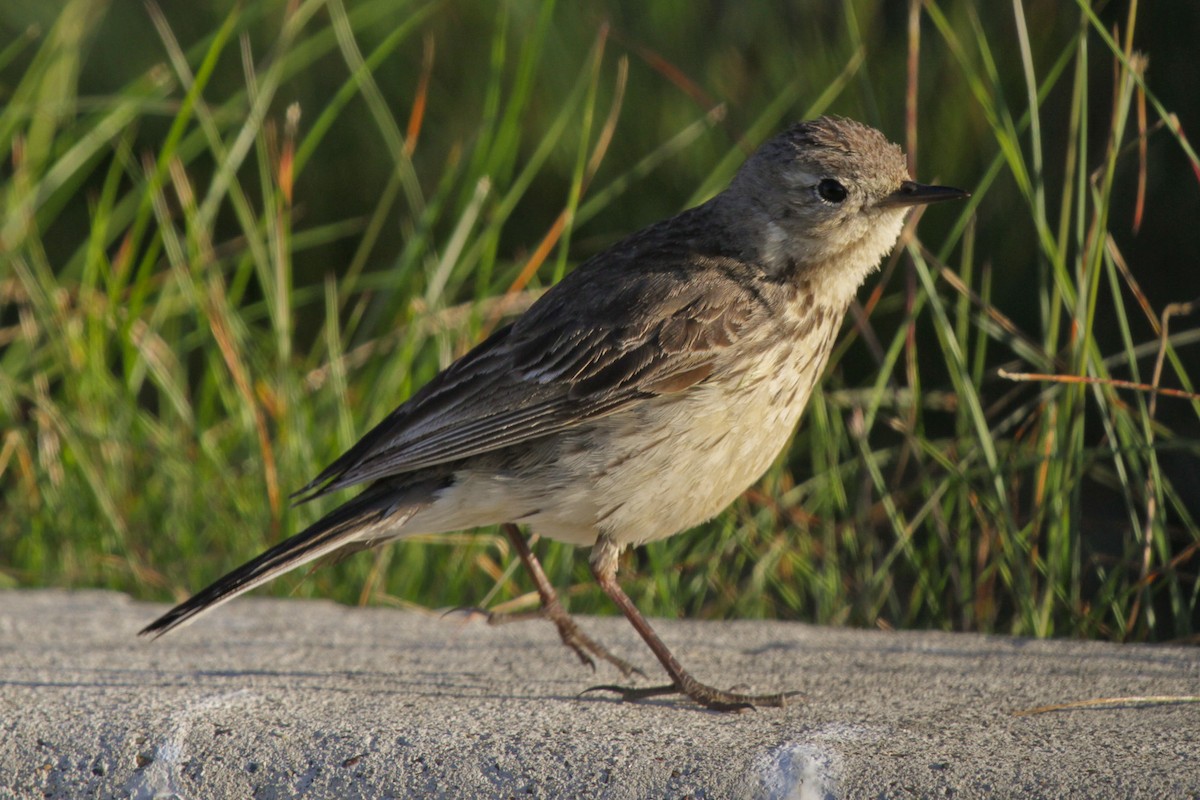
345, 526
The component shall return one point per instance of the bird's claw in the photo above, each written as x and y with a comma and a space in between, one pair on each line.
707, 696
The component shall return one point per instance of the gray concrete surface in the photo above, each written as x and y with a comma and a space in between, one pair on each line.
281, 699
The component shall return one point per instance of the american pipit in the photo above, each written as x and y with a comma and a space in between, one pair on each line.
640, 395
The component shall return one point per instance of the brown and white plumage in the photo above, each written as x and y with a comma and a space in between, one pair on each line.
646, 390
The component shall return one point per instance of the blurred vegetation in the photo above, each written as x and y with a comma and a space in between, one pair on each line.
233, 235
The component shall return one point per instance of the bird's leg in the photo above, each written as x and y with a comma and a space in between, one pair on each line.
584, 646
603, 562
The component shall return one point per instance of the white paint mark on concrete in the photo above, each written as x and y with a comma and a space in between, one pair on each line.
807, 770
799, 772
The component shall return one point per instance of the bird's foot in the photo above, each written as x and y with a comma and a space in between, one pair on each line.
584, 646
708, 696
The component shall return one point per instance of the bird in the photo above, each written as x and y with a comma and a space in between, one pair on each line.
637, 397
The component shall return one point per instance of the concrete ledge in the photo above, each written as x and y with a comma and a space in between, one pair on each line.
282, 699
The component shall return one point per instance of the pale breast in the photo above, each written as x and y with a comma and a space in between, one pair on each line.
661, 466
677, 460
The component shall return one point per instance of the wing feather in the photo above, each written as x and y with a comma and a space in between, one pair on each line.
602, 340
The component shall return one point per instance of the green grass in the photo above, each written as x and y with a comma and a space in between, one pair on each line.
220, 269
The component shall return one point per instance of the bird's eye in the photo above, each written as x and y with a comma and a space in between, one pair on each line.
831, 191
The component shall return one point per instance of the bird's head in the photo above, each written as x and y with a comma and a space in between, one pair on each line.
827, 196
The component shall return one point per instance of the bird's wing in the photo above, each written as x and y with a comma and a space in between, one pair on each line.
598, 342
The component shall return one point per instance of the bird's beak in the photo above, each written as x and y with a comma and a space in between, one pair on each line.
912, 193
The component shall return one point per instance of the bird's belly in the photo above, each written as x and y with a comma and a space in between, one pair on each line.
712, 452
645, 473
672, 462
